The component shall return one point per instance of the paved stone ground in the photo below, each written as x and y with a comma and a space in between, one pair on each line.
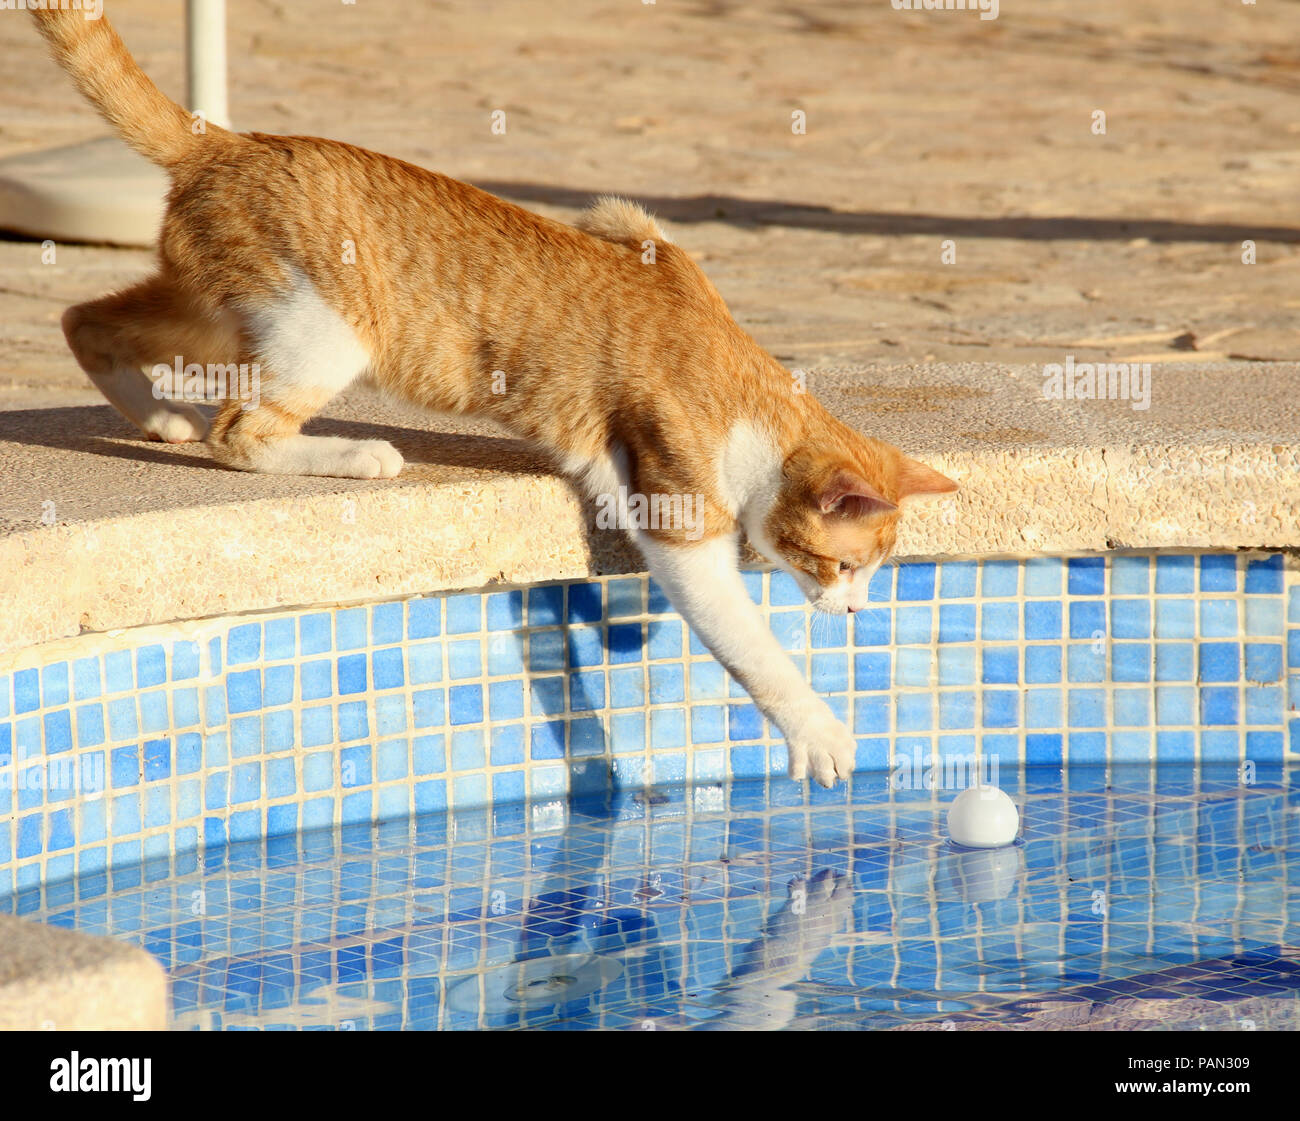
921, 127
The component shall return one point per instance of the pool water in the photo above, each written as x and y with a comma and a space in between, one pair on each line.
1164, 898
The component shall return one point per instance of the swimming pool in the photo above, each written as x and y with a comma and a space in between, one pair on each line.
1136, 899
549, 807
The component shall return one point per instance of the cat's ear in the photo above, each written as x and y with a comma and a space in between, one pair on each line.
848, 493
916, 480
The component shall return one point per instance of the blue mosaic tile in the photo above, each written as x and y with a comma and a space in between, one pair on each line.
1218, 572
957, 579
1265, 575
1042, 750
505, 611
915, 582
1130, 618
1218, 618
281, 640
1132, 707
1264, 616
956, 665
386, 626
465, 704
1175, 661
353, 721
627, 688
668, 729
1130, 576
505, 656
1175, 619
315, 633
1043, 576
90, 725
587, 691
871, 671
744, 722
122, 722
624, 642
873, 627
54, 685
914, 625
1086, 663
423, 618
58, 731
913, 666
882, 584
243, 691
1263, 705
1087, 576
1087, 620
708, 724
1001, 665
667, 684
545, 606
1043, 708
957, 623
999, 622
1263, 662
665, 640
625, 597
585, 647
464, 614
1175, 575
86, 680
826, 632
464, 659
244, 644
1131, 661
1220, 661
350, 630
1219, 705
1042, 665
1000, 708
999, 579
585, 603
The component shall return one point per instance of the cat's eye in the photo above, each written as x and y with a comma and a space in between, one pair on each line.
845, 566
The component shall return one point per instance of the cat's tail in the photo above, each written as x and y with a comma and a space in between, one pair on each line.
150, 121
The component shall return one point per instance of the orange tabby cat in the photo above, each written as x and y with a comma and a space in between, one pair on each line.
320, 263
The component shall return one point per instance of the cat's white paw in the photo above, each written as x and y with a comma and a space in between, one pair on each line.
176, 423
372, 459
823, 747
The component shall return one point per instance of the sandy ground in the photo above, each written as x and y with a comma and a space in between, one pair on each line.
921, 127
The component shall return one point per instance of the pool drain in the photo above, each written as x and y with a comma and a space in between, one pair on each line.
536, 982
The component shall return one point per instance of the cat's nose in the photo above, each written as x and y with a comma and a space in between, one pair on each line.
852, 609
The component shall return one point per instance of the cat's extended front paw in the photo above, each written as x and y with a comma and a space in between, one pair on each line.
822, 746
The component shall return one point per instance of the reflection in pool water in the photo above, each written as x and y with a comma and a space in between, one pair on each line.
1136, 898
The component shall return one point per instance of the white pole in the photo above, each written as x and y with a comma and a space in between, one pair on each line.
205, 51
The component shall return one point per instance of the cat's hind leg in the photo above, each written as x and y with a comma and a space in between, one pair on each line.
116, 338
266, 439
302, 353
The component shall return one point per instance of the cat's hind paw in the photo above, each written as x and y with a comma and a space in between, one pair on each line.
175, 423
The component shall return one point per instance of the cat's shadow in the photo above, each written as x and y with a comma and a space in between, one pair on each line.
443, 449
757, 212
99, 430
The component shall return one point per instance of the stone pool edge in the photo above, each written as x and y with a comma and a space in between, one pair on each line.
53, 979
1199, 469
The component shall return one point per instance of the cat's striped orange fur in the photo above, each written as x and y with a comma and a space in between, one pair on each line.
624, 364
